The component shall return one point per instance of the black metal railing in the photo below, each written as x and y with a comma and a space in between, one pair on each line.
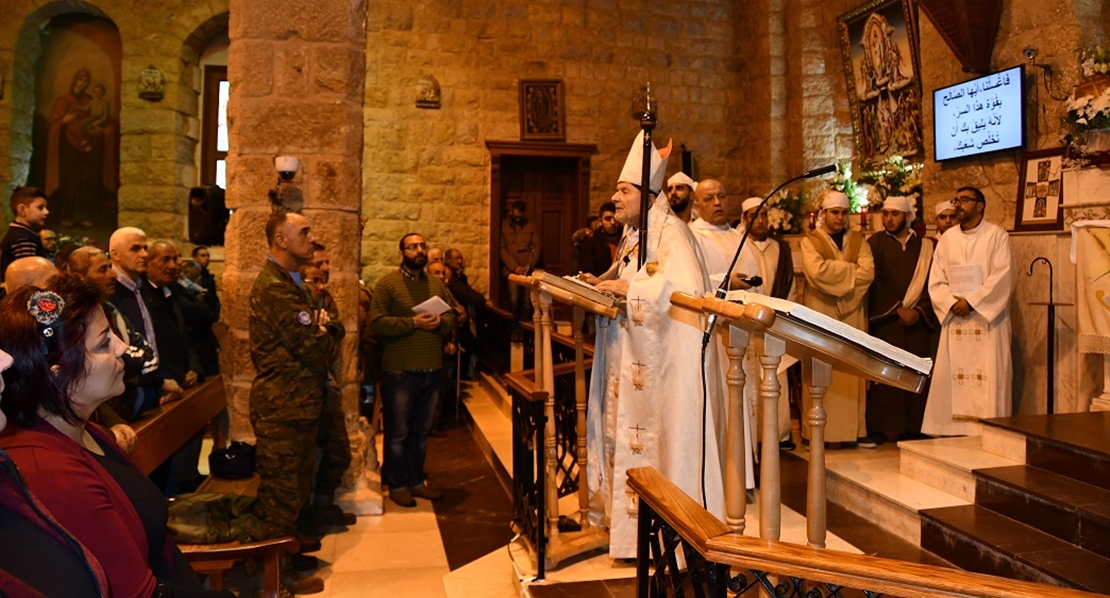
529, 435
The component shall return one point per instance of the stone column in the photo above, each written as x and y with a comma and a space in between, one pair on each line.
297, 69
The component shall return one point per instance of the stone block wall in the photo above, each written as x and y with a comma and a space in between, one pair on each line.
1053, 30
428, 170
157, 139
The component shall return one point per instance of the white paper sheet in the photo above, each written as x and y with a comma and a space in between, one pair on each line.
434, 306
964, 280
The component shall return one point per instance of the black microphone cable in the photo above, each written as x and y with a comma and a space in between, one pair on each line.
722, 292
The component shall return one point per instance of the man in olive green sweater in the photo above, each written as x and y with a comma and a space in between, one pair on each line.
411, 352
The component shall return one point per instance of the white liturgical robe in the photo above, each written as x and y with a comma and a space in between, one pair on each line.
718, 244
646, 404
973, 376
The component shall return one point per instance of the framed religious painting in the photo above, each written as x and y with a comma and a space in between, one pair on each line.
542, 110
1040, 197
879, 43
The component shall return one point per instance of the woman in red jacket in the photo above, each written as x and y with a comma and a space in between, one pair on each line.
68, 362
33, 547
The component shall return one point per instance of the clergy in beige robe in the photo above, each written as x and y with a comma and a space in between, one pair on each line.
718, 243
838, 269
970, 284
776, 267
645, 403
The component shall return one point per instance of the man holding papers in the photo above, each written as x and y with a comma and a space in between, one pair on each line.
970, 284
409, 316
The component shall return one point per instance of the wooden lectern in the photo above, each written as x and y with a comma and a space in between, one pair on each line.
821, 349
546, 288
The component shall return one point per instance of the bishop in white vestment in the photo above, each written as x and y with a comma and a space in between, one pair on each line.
646, 405
970, 284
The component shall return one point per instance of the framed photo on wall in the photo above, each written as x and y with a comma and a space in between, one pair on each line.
1040, 191
542, 110
879, 43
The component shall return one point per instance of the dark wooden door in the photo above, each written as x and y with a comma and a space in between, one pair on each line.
546, 186
553, 181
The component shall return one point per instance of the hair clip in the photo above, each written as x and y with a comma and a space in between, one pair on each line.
46, 307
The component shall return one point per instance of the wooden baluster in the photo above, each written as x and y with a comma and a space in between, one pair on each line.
770, 478
736, 466
818, 374
537, 340
579, 318
548, 375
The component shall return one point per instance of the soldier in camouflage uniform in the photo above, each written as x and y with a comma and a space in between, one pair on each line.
332, 437
293, 343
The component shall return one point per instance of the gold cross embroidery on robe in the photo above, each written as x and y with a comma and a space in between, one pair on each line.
633, 508
978, 377
637, 315
636, 444
638, 379
977, 333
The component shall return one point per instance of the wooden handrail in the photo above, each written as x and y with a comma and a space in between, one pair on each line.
714, 541
160, 432
696, 525
524, 381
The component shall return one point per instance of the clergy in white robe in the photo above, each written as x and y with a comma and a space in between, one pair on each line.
646, 404
970, 284
775, 265
838, 270
718, 243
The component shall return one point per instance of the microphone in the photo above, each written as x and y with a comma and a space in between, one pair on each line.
722, 291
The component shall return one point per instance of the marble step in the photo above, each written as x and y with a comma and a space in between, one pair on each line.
947, 463
1068, 509
978, 539
875, 489
1076, 445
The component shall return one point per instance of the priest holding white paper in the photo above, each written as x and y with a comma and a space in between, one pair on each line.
645, 404
970, 284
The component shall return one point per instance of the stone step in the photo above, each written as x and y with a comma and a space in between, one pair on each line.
947, 463
874, 489
1076, 445
1067, 509
977, 539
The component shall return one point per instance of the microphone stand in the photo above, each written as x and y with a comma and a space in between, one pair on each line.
722, 291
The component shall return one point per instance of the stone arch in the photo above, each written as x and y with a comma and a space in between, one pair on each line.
20, 117
188, 102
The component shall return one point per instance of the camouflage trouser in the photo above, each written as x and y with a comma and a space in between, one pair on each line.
285, 454
334, 445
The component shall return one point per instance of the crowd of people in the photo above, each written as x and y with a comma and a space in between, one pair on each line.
648, 404
102, 337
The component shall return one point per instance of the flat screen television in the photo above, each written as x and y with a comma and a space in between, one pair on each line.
979, 116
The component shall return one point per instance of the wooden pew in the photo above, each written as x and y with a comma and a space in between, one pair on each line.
159, 433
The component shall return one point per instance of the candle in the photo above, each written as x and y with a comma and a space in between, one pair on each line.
813, 223
863, 217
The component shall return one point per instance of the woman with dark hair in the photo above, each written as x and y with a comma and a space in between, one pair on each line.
66, 363
33, 546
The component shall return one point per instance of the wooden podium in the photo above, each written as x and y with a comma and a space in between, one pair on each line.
562, 545
820, 351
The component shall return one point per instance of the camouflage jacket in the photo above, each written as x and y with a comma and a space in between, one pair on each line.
291, 355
